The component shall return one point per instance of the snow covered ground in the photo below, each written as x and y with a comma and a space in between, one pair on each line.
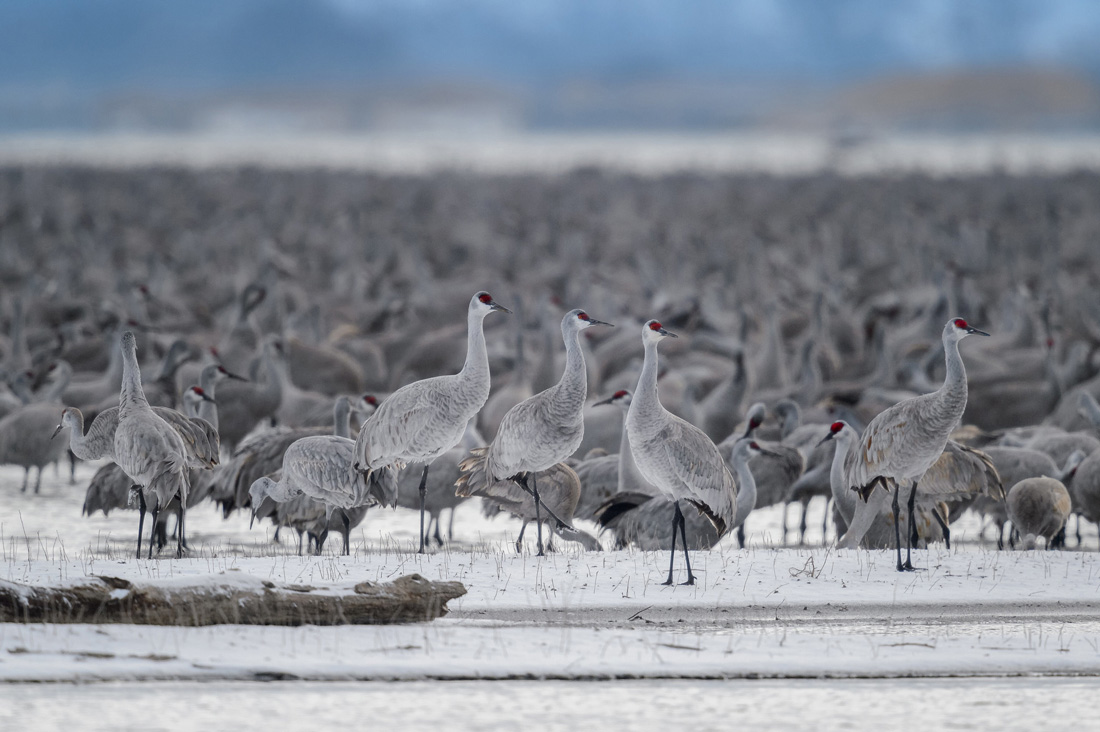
758, 612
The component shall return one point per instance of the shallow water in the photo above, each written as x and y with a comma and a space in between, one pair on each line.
775, 705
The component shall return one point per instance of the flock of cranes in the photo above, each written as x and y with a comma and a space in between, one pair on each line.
753, 403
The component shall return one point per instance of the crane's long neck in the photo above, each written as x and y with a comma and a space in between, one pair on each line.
844, 497
746, 489
476, 368
276, 379
630, 478
950, 399
1091, 409
132, 394
573, 386
340, 414
646, 404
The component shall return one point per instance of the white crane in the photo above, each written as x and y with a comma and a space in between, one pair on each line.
424, 419
540, 431
904, 441
675, 456
147, 448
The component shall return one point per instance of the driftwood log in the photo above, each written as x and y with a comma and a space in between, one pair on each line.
227, 599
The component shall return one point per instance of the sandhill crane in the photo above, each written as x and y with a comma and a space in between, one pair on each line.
904, 441
604, 476
561, 488
148, 449
845, 500
675, 456
540, 431
262, 453
1086, 488
1014, 464
1038, 507
243, 404
422, 420
24, 433
643, 521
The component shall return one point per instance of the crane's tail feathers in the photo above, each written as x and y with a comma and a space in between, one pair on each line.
618, 505
865, 491
995, 487
475, 478
382, 485
719, 522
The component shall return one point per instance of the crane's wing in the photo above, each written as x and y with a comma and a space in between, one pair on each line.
879, 441
697, 464
101, 433
199, 437
959, 474
322, 467
398, 421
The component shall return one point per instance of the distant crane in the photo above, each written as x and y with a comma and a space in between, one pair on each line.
424, 419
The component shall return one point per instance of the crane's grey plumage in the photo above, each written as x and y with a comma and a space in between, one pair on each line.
560, 491
675, 456
1038, 507
904, 441
149, 450
422, 420
540, 431
321, 467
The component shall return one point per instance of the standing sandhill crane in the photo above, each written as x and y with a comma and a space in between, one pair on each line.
904, 441
878, 535
24, 433
424, 419
561, 488
675, 456
540, 431
643, 521
1038, 507
147, 448
607, 475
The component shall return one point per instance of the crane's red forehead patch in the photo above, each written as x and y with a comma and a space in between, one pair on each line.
654, 325
371, 400
960, 323
619, 394
583, 315
836, 427
486, 298
754, 446
198, 390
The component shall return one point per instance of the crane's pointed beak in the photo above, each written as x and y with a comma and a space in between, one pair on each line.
238, 377
207, 398
604, 401
494, 305
824, 439
57, 431
975, 331
593, 321
667, 333
252, 520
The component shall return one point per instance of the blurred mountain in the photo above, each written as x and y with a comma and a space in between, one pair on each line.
532, 61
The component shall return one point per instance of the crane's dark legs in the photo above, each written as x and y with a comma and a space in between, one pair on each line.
38, 480
741, 536
538, 517
804, 504
782, 541
672, 549
26, 477
897, 529
451, 526
141, 515
299, 543
519, 539
437, 535
423, 490
684, 541
347, 526
943, 527
908, 566
155, 511
180, 543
